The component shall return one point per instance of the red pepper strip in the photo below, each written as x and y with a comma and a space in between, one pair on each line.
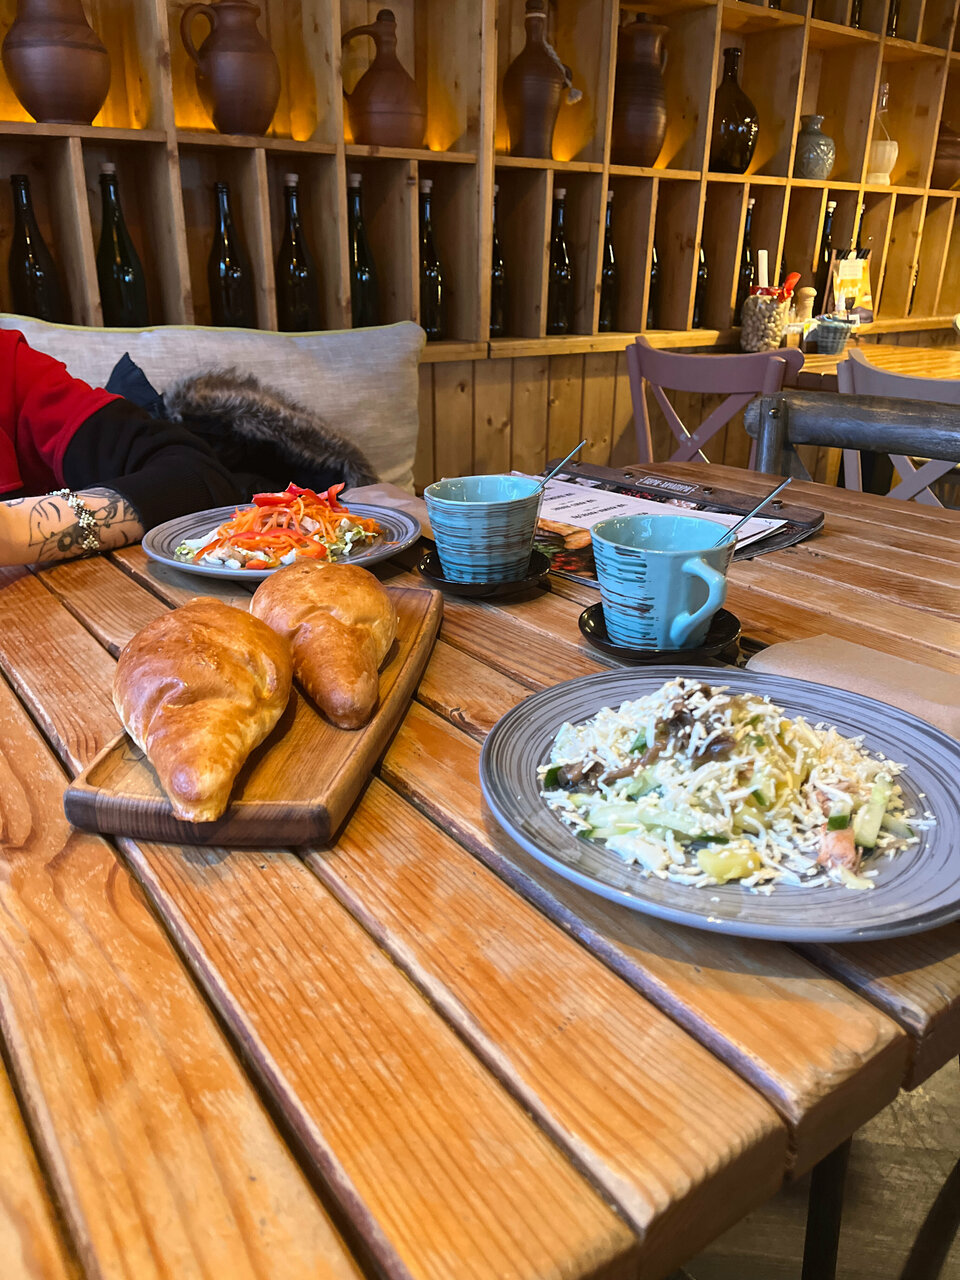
258, 564
271, 499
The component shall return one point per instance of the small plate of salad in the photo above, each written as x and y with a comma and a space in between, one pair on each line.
251, 541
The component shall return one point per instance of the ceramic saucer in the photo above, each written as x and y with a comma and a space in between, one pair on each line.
724, 630
432, 570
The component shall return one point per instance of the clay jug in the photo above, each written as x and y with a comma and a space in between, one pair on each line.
55, 62
238, 76
532, 87
385, 108
639, 105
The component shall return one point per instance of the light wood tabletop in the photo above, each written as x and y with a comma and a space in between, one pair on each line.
819, 372
417, 1053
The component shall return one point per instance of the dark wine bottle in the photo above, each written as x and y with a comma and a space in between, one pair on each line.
298, 282
34, 280
822, 278
609, 277
747, 275
700, 293
123, 286
856, 14
229, 274
735, 120
560, 278
432, 288
497, 278
364, 296
893, 18
653, 292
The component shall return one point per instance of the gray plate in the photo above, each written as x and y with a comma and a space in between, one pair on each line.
161, 543
918, 890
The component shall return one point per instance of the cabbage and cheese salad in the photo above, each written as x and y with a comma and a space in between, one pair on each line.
702, 786
280, 528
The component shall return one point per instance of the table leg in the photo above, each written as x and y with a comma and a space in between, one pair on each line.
824, 1211
937, 1234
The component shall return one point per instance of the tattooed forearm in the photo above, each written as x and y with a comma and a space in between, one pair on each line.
45, 529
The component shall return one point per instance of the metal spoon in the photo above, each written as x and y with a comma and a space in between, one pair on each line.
750, 514
560, 465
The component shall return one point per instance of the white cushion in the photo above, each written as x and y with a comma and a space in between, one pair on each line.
363, 382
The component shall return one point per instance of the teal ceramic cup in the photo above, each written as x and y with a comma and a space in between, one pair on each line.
484, 525
661, 578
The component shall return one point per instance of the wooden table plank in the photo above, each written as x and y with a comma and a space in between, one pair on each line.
354, 1058
31, 1245
163, 1160
824, 1059
582, 1051
914, 362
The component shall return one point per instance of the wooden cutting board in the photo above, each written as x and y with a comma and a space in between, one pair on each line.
296, 788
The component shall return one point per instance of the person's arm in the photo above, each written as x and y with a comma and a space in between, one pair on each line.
45, 529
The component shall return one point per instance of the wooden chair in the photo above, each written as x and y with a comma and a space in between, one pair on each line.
901, 428
857, 376
739, 377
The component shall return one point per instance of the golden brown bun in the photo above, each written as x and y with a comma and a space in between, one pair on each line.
197, 689
341, 623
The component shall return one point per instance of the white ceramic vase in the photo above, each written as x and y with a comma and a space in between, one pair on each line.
883, 156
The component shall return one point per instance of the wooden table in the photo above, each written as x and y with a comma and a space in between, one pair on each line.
417, 1050
819, 373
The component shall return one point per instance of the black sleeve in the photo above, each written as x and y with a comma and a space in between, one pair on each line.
160, 468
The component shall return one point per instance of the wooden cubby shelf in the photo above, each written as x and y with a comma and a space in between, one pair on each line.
802, 58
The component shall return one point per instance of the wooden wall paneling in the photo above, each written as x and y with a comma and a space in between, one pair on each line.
167, 232
453, 418
910, 19
875, 232
188, 109
456, 231
391, 216
840, 83
806, 206
319, 203
147, 196
901, 256
936, 27
845, 216
623, 443
486, 176
424, 471
599, 393
492, 415
836, 11
318, 32
583, 34
585, 213
153, 41
932, 261
128, 100
689, 80
950, 287
510, 40
723, 223
775, 94
255, 204
950, 113
282, 23
633, 225
565, 402
677, 236
524, 209
873, 16
529, 413
917, 86
72, 240
448, 35
769, 222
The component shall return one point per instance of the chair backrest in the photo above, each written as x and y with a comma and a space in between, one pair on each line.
857, 376
898, 427
738, 377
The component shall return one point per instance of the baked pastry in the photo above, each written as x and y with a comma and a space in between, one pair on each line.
341, 623
197, 689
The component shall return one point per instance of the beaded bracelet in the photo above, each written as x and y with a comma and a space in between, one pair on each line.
89, 535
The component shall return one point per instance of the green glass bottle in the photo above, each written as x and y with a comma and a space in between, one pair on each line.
364, 297
123, 286
609, 277
497, 279
298, 281
432, 299
229, 274
34, 280
560, 278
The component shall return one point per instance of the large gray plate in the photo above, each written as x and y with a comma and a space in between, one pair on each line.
161, 543
918, 890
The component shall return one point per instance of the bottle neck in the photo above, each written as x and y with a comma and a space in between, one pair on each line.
293, 209
22, 204
536, 25
558, 215
223, 211
111, 198
425, 213
609, 222
748, 228
731, 65
827, 227
354, 204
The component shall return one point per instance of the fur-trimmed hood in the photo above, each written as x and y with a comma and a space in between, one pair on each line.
261, 435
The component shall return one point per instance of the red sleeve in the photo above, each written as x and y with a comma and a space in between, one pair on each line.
48, 406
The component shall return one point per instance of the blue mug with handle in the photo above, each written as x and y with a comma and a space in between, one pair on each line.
661, 578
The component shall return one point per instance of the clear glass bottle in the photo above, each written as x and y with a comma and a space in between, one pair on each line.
35, 288
609, 277
432, 297
653, 292
700, 294
747, 275
298, 281
497, 278
229, 274
560, 278
735, 120
123, 286
821, 280
364, 295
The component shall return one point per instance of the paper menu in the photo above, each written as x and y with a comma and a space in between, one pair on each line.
582, 506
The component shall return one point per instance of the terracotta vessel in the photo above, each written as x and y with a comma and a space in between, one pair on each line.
385, 108
946, 160
238, 76
55, 62
639, 105
532, 88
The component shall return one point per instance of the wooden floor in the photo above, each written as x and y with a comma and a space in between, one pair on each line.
898, 1163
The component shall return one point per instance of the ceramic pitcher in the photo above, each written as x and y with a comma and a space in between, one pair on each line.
238, 76
55, 62
639, 104
385, 108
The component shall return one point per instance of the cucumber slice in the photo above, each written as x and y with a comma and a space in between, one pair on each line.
869, 817
897, 827
838, 821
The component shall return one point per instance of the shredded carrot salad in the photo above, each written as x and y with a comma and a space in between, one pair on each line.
282, 527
